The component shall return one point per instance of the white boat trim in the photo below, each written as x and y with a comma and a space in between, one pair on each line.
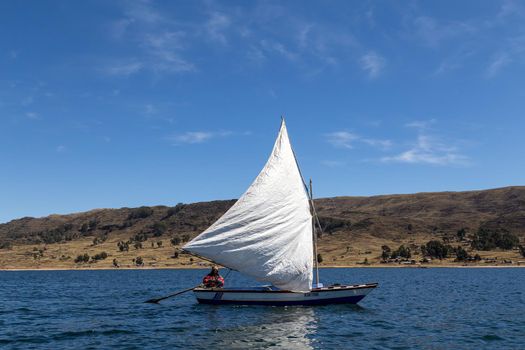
348, 294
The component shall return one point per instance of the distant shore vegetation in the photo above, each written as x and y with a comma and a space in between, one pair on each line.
483, 239
439, 228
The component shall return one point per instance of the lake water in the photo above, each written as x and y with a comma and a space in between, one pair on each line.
437, 308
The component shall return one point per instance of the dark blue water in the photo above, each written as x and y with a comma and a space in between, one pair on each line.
412, 309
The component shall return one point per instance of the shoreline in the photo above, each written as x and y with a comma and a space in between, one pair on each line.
206, 267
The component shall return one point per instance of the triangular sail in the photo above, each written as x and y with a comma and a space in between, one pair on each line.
267, 233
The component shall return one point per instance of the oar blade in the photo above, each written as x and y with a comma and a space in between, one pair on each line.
152, 301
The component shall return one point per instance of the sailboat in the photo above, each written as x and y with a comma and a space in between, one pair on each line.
269, 235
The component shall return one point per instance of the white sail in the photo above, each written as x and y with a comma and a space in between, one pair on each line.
267, 233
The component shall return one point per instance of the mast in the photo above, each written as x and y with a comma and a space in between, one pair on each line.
314, 216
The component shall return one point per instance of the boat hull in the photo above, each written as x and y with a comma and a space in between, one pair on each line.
266, 296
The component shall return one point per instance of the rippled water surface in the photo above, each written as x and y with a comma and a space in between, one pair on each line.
412, 309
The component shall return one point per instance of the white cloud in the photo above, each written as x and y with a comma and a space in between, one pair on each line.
333, 163
383, 144
160, 39
303, 35
455, 61
216, 26
341, 139
345, 139
256, 55
272, 46
429, 149
61, 149
433, 32
498, 62
124, 69
372, 64
119, 28
165, 52
421, 124
142, 11
32, 115
195, 137
150, 109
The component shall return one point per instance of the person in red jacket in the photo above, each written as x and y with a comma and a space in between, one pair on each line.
213, 279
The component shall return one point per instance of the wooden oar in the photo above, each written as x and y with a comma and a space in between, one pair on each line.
155, 301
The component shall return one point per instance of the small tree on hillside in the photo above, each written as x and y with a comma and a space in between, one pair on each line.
402, 252
83, 258
436, 249
123, 246
175, 241
461, 254
99, 256
386, 252
159, 228
461, 234
140, 213
174, 210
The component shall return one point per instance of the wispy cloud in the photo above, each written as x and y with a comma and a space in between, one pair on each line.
421, 124
123, 68
341, 139
372, 64
261, 33
345, 139
165, 52
488, 43
497, 63
150, 109
195, 137
119, 27
216, 26
433, 32
275, 47
333, 163
382, 144
61, 149
32, 115
428, 149
454, 61
159, 39
143, 11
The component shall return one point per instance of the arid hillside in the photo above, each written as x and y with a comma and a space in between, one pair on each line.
354, 228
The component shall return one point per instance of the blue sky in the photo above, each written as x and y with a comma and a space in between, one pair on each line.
111, 104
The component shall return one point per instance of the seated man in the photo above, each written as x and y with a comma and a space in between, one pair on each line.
213, 279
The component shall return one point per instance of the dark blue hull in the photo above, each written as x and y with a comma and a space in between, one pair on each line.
328, 301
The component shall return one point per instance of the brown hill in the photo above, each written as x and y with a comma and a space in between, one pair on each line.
354, 226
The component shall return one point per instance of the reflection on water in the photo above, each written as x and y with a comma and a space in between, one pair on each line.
288, 328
